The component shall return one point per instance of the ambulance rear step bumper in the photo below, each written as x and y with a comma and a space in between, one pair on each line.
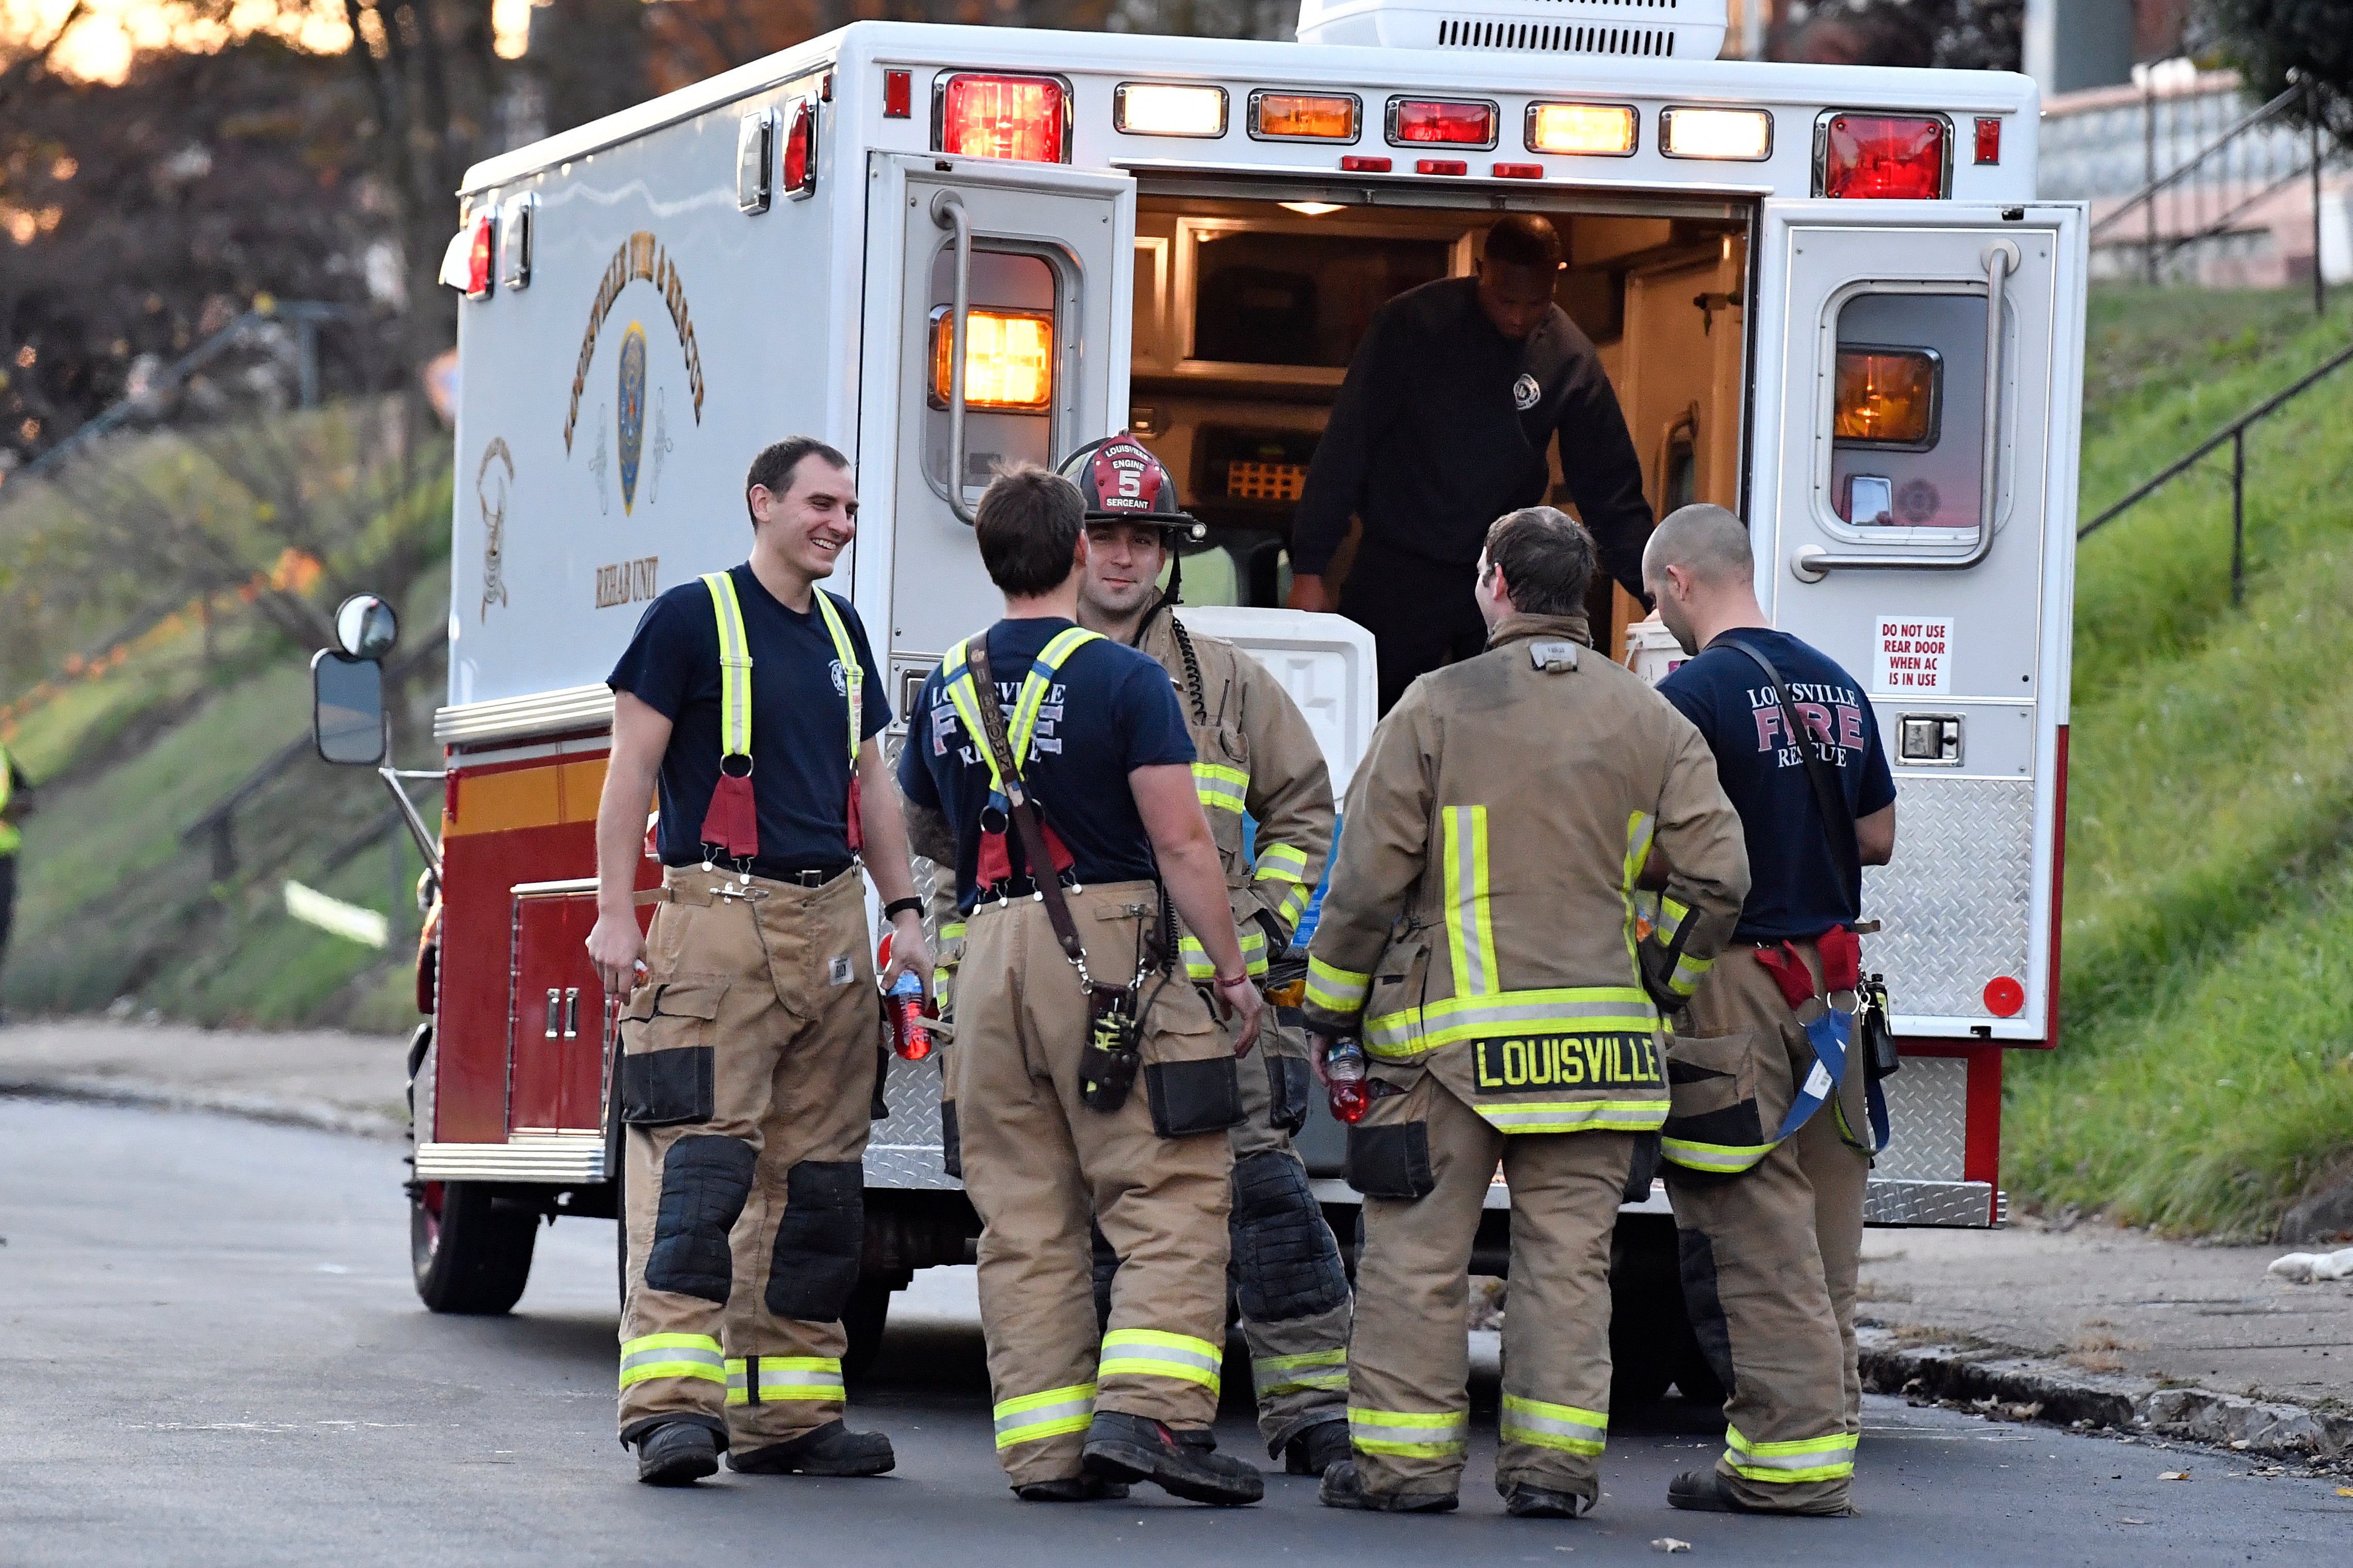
1964, 1204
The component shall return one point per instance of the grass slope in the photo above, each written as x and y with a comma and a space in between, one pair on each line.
2205, 1074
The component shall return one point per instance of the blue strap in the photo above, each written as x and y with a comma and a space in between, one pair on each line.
1830, 1035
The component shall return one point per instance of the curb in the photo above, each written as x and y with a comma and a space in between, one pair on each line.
2027, 1389
313, 1113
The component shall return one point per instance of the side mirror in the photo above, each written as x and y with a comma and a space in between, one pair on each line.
365, 627
347, 708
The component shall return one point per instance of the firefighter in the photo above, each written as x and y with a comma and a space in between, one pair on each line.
1770, 1214
16, 804
1253, 753
750, 1037
1091, 1079
1444, 422
1479, 935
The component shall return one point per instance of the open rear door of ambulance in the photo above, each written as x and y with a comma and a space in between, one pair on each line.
1030, 265
1039, 261
1917, 400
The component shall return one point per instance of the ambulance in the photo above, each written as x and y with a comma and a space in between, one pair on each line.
1827, 297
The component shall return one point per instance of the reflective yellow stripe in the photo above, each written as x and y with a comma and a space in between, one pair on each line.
1563, 1426
1638, 828
673, 1355
1294, 903
1721, 1159
1334, 989
1047, 1415
1149, 1353
1412, 1434
1671, 916
853, 674
1470, 927
1568, 1010
11, 839
1325, 1370
1574, 1115
1826, 1458
1221, 788
784, 1377
734, 667
955, 678
1197, 966
1689, 972
1280, 860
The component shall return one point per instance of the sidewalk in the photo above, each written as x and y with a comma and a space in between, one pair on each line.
2105, 1300
347, 1083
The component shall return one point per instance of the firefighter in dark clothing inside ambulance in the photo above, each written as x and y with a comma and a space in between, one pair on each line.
1442, 425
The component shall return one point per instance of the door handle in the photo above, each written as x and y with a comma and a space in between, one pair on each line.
572, 1012
947, 212
555, 1010
1812, 563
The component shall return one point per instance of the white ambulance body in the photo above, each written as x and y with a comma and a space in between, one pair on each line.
1786, 270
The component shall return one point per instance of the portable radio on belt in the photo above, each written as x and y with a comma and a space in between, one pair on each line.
732, 825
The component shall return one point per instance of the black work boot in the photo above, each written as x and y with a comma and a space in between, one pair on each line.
1124, 1448
1521, 1501
1316, 1450
677, 1453
1344, 1488
1072, 1488
1702, 1491
832, 1449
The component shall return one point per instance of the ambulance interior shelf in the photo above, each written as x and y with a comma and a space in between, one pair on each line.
1248, 311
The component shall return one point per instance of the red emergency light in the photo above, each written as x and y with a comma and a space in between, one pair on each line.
1418, 120
800, 151
481, 257
1519, 171
1885, 157
1025, 118
1989, 138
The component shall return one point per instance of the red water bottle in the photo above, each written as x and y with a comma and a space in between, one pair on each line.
1344, 1066
909, 1008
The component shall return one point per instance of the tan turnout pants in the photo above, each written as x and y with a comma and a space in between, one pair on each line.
1296, 1306
1409, 1362
1039, 1167
747, 1071
1769, 1255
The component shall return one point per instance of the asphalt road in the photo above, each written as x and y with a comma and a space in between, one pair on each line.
210, 1353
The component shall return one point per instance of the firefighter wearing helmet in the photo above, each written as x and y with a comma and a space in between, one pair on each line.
1253, 754
1093, 1082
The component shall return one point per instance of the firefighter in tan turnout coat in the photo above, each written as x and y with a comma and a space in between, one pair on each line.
1480, 934
1254, 754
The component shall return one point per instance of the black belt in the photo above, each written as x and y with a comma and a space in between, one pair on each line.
811, 876
1024, 888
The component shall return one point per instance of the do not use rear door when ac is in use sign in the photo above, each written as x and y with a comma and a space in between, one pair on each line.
1912, 653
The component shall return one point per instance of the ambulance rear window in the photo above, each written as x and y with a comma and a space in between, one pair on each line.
1299, 299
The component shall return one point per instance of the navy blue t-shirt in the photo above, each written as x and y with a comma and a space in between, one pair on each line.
1794, 888
800, 720
1110, 711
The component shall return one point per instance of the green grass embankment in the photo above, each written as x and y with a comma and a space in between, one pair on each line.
2205, 1074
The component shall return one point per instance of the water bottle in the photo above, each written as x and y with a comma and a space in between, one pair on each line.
1343, 1065
908, 1007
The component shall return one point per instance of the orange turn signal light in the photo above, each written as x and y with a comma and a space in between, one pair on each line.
1008, 360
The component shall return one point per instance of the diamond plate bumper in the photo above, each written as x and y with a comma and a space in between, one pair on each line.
1955, 907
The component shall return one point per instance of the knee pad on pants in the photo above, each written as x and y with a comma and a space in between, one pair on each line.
1286, 1263
815, 1266
704, 1182
1703, 1304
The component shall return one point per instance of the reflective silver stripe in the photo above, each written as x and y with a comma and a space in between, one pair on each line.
1052, 1414
1562, 1012
786, 1377
1554, 1425
673, 1355
1469, 932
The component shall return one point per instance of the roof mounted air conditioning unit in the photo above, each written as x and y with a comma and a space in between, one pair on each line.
1658, 29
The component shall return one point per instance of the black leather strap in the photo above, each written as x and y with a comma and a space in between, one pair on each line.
1024, 810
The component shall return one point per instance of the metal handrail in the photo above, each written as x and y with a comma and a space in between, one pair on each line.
2236, 434
2251, 120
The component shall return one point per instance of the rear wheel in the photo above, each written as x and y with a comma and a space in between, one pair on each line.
471, 1253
